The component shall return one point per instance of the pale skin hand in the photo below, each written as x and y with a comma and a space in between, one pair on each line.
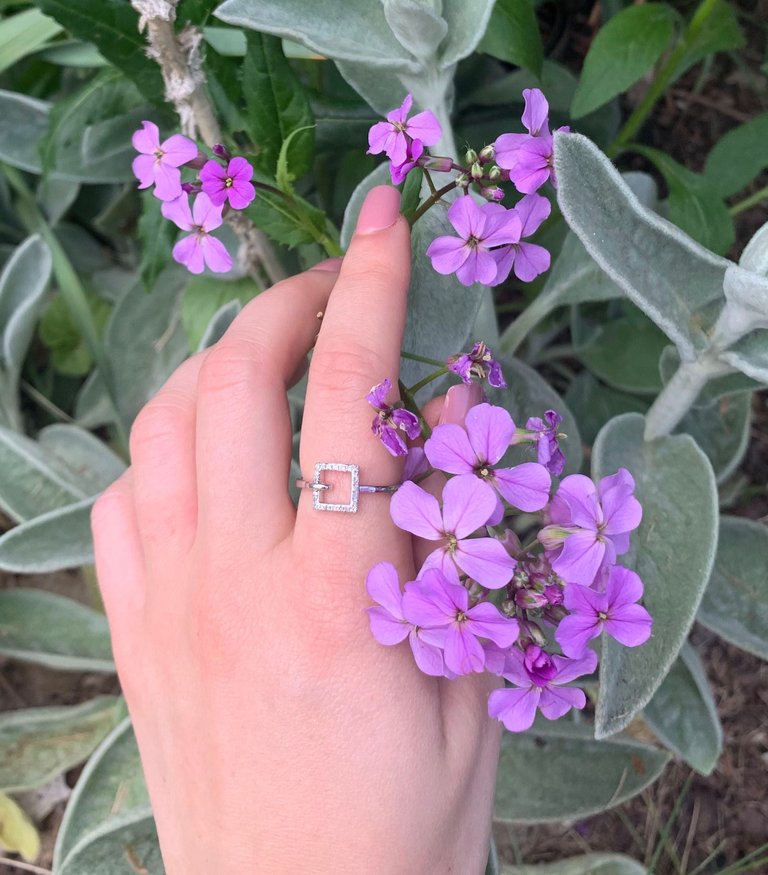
276, 734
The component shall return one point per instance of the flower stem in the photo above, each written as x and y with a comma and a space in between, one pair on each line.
663, 80
676, 398
431, 201
427, 380
516, 332
412, 357
748, 202
409, 402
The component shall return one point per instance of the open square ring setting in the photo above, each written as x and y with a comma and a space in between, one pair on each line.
318, 487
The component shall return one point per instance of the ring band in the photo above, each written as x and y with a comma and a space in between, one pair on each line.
318, 487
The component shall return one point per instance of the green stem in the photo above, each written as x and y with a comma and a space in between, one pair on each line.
428, 179
748, 202
72, 291
431, 201
409, 402
539, 308
663, 80
45, 403
412, 357
427, 380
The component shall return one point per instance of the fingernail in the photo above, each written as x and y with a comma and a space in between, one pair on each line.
458, 401
330, 264
380, 210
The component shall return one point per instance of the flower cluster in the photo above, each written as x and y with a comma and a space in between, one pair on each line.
481, 601
219, 187
490, 241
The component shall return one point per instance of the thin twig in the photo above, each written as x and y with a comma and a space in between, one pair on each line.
25, 867
180, 60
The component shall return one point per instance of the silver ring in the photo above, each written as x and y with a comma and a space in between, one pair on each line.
318, 487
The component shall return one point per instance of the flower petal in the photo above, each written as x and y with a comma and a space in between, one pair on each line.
555, 702
536, 111
448, 254
486, 621
167, 182
490, 430
385, 628
448, 450
424, 126
624, 587
242, 193
467, 218
486, 561
630, 625
417, 512
143, 167
383, 587
178, 150
467, 505
575, 631
515, 708
215, 254
146, 139
178, 212
463, 652
531, 260
525, 486
240, 169
570, 669
429, 658
205, 213
189, 253
580, 558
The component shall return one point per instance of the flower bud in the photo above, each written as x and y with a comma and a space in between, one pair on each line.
511, 543
555, 613
553, 536
221, 151
462, 180
487, 153
476, 171
190, 187
198, 162
529, 600
554, 594
439, 163
494, 172
470, 156
508, 608
532, 632
492, 193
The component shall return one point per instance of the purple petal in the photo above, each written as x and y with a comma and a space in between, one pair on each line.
381, 138
467, 218
630, 625
147, 139
490, 430
495, 374
531, 260
556, 702
506, 146
241, 194
580, 558
584, 600
498, 513
622, 480
189, 253
486, 561
377, 397
479, 267
525, 486
178, 212
417, 512
448, 450
531, 166
575, 631
448, 254
533, 209
432, 602
429, 658
215, 254
515, 708
424, 126
535, 112
167, 182
240, 169
502, 226
504, 257
624, 587
467, 504
463, 652
384, 587
570, 669
416, 464
580, 496
514, 668
495, 657
622, 512
486, 621
205, 213
392, 440
178, 150
401, 113
406, 421
143, 167
385, 628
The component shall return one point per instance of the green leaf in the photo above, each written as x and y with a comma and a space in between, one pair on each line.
625, 354
467, 22
24, 33
25, 121
80, 457
557, 765
721, 429
125, 846
218, 324
205, 296
225, 85
623, 51
418, 27
750, 356
276, 218
738, 157
529, 394
284, 175
673, 551
720, 32
113, 26
157, 236
50, 630
365, 36
74, 53
50, 542
411, 192
110, 789
590, 864
682, 713
671, 278
59, 333
81, 142
513, 35
38, 744
276, 106
754, 256
594, 404
694, 203
730, 384
17, 832
145, 341
735, 605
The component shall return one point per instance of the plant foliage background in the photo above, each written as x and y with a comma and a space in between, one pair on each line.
649, 334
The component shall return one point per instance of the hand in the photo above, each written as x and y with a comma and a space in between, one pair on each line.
276, 734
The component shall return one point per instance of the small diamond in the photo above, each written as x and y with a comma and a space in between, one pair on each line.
354, 473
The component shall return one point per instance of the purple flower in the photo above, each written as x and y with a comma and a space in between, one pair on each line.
231, 183
613, 610
479, 228
390, 421
394, 136
388, 623
416, 464
529, 157
398, 172
538, 679
476, 449
199, 249
158, 164
441, 610
545, 433
527, 259
590, 526
468, 504
480, 363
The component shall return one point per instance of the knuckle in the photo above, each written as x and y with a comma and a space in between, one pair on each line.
346, 369
229, 365
112, 501
157, 424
